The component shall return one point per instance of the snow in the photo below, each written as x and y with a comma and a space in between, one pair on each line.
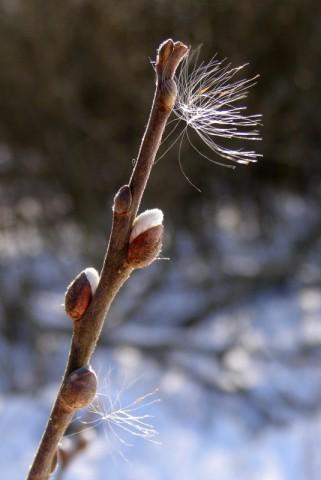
197, 440
235, 395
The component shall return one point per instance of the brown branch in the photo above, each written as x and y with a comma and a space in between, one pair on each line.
116, 269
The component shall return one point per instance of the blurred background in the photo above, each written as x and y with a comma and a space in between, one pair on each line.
227, 334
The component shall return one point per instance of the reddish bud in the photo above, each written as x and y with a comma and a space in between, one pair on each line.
122, 200
79, 389
80, 293
146, 238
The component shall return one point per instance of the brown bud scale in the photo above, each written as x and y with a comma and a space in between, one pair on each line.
78, 296
168, 58
122, 200
144, 248
79, 389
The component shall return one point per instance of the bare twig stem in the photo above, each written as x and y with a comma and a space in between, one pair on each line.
115, 270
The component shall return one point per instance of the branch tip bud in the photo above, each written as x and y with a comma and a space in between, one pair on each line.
165, 50
169, 55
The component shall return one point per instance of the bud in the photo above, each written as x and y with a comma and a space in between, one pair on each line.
79, 389
80, 293
169, 56
145, 240
122, 200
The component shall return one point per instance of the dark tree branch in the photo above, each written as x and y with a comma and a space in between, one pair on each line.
115, 270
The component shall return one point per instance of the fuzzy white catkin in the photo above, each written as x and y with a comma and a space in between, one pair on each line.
145, 221
93, 278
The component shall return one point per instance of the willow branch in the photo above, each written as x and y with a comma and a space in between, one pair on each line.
116, 269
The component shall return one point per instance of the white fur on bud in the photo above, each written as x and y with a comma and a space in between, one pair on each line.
93, 278
145, 221
80, 293
145, 240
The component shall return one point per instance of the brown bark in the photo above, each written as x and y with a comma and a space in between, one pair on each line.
115, 270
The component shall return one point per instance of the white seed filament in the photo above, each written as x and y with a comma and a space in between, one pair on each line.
208, 101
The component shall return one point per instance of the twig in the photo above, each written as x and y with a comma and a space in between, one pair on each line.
116, 268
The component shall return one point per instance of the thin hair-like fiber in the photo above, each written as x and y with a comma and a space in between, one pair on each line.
208, 97
208, 102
